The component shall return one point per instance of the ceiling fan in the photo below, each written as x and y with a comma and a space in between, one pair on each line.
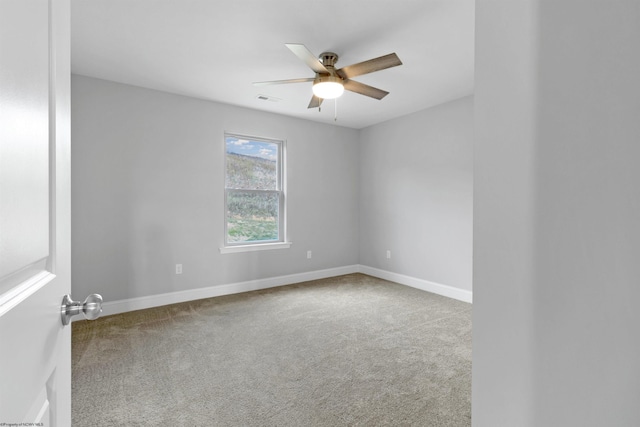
330, 83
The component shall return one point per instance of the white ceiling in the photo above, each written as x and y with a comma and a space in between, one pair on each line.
215, 49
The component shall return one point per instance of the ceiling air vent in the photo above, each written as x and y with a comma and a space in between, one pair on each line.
268, 98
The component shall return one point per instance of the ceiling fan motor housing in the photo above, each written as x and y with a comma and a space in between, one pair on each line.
328, 59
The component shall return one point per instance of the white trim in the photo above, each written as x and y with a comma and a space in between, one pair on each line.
251, 248
122, 306
425, 285
16, 295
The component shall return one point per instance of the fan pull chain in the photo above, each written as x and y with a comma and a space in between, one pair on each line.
335, 110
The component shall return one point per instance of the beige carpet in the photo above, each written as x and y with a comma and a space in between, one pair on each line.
346, 351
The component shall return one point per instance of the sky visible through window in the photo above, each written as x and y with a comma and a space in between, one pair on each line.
248, 147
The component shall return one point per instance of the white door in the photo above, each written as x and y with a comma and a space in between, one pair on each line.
35, 354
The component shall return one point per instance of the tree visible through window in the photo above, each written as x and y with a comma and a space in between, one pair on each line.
254, 197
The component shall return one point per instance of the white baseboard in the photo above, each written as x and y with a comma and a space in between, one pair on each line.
122, 306
425, 285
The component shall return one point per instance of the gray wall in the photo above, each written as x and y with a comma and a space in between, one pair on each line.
148, 184
556, 214
148, 190
416, 194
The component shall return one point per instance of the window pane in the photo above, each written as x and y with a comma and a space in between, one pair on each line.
251, 165
251, 216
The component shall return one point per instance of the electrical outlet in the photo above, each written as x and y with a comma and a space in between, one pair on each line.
388, 254
178, 268
308, 254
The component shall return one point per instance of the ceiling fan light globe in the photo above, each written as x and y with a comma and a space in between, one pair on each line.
326, 88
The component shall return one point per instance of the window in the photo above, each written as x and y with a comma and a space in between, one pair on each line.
254, 191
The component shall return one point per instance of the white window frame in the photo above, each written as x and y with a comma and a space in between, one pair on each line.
281, 242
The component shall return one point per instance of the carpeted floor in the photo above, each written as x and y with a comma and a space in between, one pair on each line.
347, 351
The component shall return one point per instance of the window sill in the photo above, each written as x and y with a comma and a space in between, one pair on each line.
252, 248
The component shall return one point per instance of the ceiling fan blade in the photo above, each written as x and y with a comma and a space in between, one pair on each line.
364, 89
376, 64
278, 82
315, 102
307, 57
